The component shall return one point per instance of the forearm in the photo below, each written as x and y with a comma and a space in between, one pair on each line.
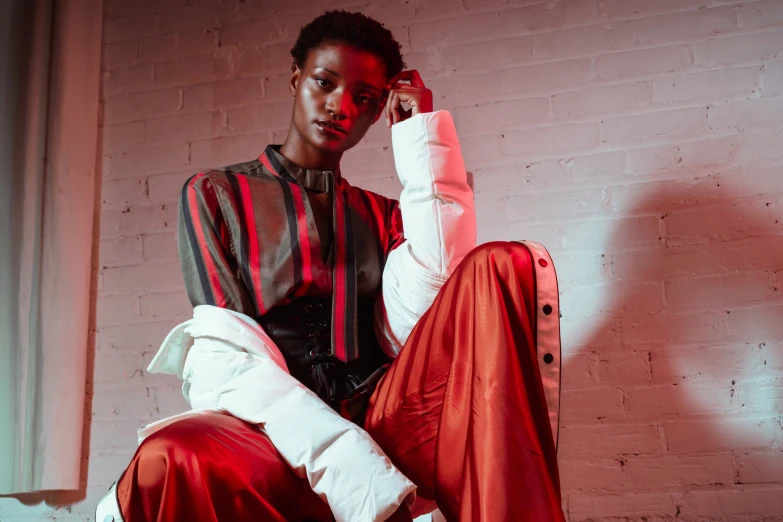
439, 221
437, 207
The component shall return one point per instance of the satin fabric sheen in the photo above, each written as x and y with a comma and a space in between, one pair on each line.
460, 411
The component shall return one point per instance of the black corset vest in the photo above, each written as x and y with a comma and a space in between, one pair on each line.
302, 331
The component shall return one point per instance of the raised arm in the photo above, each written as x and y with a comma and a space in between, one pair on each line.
438, 218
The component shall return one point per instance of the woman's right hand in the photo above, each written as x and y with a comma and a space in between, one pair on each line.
415, 94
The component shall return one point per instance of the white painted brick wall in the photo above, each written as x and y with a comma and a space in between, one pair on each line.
640, 140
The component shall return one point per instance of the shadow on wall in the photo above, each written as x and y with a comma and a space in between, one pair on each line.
672, 406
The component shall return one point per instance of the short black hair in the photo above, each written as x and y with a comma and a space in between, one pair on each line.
353, 29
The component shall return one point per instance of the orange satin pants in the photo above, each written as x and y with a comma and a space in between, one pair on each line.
461, 412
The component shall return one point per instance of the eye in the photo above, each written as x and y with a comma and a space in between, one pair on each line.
323, 83
364, 99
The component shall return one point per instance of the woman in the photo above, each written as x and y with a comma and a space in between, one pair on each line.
451, 393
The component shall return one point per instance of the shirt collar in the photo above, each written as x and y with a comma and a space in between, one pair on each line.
312, 179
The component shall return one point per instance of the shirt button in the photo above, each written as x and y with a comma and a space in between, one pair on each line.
108, 518
542, 262
548, 358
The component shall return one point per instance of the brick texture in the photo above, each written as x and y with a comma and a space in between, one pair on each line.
641, 141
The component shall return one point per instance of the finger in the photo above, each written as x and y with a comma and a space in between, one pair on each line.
396, 108
390, 107
408, 94
404, 76
386, 112
406, 87
415, 79
411, 76
389, 103
411, 96
397, 77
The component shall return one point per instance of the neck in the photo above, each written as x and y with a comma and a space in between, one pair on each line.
297, 150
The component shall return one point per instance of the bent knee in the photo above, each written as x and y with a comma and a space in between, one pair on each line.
152, 462
176, 445
161, 451
500, 251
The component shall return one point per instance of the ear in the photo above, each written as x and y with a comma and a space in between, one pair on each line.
293, 83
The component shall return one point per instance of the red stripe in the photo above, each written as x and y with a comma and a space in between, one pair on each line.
253, 262
304, 239
212, 273
395, 230
266, 163
339, 277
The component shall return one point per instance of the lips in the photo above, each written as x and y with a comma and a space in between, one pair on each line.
333, 126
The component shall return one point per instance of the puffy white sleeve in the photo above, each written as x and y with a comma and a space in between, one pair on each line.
439, 223
228, 363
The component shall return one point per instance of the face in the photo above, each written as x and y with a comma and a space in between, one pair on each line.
337, 96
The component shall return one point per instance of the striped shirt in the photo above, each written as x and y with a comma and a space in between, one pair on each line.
248, 241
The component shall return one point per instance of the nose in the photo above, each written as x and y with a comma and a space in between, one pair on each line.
337, 104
